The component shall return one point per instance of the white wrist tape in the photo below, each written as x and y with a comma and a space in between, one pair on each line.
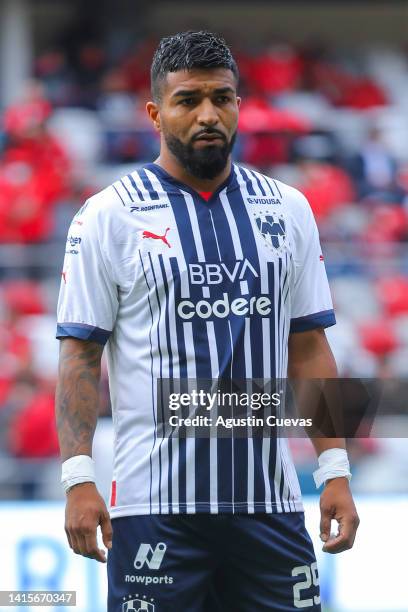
75, 470
333, 463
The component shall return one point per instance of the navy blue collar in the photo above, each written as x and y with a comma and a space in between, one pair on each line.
230, 182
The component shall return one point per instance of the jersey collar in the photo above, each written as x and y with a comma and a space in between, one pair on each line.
230, 183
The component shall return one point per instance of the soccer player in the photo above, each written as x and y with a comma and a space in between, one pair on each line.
193, 267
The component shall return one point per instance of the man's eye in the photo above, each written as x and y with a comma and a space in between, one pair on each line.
222, 99
187, 101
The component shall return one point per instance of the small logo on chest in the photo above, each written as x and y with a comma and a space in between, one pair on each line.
264, 200
272, 227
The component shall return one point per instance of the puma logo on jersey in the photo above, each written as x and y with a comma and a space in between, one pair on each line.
162, 237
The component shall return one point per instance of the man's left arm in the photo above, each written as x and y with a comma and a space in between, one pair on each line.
310, 357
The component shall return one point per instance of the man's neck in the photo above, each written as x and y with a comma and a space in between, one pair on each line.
172, 167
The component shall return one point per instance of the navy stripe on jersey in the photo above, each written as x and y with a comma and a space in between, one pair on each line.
184, 227
170, 358
252, 189
268, 185
120, 197
211, 245
127, 190
275, 183
254, 184
286, 327
281, 315
272, 327
122, 192
181, 349
83, 332
289, 493
270, 465
152, 381
135, 187
283, 490
167, 318
161, 376
153, 194
222, 231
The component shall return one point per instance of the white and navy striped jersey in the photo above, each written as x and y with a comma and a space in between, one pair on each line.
180, 287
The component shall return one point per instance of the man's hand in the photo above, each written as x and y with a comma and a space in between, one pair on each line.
336, 502
85, 510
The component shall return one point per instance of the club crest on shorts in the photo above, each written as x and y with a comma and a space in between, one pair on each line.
138, 605
272, 227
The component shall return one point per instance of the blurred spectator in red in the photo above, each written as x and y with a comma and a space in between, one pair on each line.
392, 294
363, 94
325, 186
278, 69
34, 172
388, 223
18, 299
345, 89
32, 432
267, 132
378, 337
15, 357
23, 297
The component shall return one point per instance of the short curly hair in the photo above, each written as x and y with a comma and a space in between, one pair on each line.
186, 51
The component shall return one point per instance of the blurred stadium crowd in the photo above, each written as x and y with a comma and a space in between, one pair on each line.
331, 123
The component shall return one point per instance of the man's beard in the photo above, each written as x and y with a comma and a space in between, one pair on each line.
206, 162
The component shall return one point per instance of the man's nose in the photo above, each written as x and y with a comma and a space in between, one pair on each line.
207, 113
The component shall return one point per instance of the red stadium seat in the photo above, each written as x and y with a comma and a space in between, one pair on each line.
326, 187
33, 432
393, 295
378, 337
24, 297
389, 223
256, 115
22, 117
276, 70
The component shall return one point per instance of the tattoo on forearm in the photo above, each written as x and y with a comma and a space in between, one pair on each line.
76, 401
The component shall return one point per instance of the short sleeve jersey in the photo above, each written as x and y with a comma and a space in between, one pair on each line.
182, 287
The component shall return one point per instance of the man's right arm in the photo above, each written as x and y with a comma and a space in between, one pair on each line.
76, 406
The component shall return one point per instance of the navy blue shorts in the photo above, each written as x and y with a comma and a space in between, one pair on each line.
212, 563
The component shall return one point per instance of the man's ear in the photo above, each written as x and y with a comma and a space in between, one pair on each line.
154, 114
239, 100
